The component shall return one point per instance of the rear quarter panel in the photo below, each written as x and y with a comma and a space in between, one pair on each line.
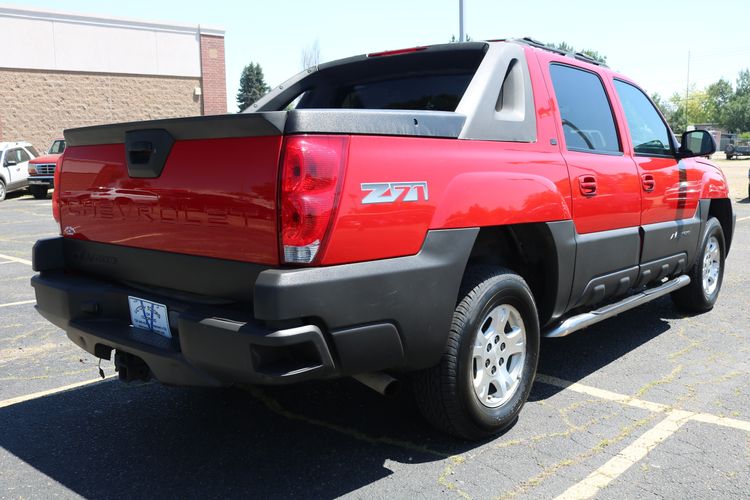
470, 184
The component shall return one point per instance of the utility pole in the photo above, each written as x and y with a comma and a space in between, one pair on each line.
687, 91
461, 34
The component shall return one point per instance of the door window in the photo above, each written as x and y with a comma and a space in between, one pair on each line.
13, 155
23, 156
587, 120
648, 131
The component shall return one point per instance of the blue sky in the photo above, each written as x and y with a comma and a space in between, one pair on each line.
646, 40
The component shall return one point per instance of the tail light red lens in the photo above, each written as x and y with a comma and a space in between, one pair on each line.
56, 192
311, 174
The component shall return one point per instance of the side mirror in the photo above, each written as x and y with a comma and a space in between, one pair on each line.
696, 143
10, 163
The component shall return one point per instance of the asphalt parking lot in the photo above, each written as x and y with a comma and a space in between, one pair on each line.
651, 404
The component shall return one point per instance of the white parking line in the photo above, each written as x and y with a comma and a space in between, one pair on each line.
41, 394
707, 418
616, 466
18, 303
725, 421
15, 259
600, 478
742, 218
602, 394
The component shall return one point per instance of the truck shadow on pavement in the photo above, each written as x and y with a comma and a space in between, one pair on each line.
582, 353
311, 440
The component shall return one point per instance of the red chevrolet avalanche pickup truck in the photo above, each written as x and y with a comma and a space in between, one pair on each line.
428, 212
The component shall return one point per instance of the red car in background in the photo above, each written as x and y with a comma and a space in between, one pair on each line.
42, 170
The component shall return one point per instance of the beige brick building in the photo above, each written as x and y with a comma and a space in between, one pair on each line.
61, 70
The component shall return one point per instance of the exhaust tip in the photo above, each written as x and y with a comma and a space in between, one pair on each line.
380, 382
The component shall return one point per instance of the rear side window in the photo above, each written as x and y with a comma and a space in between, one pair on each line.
648, 131
587, 120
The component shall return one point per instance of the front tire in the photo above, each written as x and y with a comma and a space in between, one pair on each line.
488, 368
706, 275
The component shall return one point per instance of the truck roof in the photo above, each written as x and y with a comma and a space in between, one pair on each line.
7, 145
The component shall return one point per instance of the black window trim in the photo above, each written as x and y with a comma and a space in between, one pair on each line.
621, 152
606, 153
670, 134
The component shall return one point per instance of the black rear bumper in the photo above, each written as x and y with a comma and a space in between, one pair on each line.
284, 326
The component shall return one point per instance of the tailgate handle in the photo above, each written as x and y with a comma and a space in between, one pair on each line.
146, 152
140, 152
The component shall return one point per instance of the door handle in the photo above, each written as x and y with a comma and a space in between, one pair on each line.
587, 184
648, 182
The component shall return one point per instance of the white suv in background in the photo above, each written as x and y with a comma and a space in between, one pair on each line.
14, 166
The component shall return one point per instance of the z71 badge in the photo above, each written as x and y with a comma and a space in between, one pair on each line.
389, 192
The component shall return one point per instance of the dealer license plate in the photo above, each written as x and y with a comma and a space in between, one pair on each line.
149, 316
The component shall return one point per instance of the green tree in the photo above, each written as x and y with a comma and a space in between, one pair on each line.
735, 115
566, 47
666, 107
252, 86
743, 83
696, 104
718, 95
595, 55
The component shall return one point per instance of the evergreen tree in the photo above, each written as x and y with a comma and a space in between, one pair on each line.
252, 86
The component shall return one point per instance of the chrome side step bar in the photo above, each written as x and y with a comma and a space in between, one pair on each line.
575, 323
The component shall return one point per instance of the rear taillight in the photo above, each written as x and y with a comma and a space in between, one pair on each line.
312, 171
56, 192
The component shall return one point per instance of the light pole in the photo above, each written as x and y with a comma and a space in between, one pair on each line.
461, 36
687, 92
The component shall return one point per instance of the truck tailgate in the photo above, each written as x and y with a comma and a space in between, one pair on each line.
214, 197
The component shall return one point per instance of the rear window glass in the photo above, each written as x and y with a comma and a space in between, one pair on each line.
57, 148
431, 79
428, 92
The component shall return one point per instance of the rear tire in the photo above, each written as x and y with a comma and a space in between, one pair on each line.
487, 371
39, 192
706, 275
